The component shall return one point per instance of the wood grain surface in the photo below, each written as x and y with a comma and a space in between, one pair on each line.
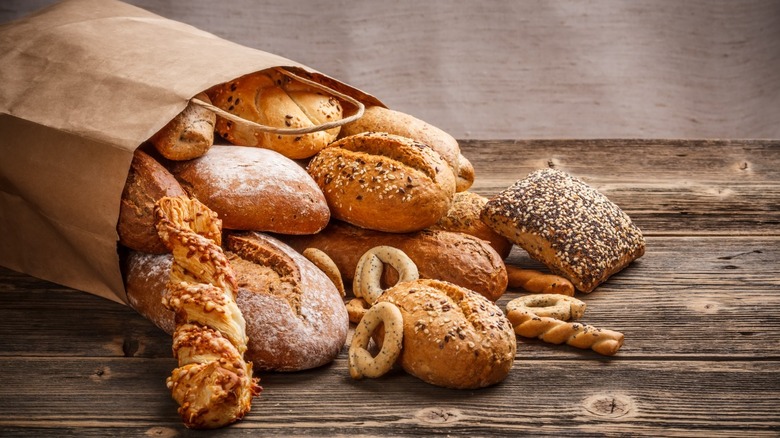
526, 69
699, 312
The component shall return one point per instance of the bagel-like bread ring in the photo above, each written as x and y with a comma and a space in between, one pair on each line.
361, 363
368, 273
550, 305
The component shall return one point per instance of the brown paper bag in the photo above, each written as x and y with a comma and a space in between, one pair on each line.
84, 83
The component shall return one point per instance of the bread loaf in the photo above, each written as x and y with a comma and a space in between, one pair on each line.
464, 217
189, 135
147, 182
453, 337
380, 119
272, 99
573, 229
255, 189
384, 182
459, 258
295, 317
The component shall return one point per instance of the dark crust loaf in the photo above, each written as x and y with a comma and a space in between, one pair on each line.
295, 317
384, 182
453, 337
464, 217
570, 227
458, 258
146, 182
255, 189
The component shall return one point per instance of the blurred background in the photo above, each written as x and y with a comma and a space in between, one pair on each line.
526, 69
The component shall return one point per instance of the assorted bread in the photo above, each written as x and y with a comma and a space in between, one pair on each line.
279, 223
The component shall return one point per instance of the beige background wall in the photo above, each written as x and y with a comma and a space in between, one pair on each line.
526, 69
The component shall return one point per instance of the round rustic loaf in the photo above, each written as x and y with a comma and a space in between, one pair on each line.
147, 181
384, 182
458, 258
255, 189
380, 119
273, 99
295, 317
453, 337
464, 217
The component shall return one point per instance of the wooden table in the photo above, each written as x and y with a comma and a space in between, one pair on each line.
700, 312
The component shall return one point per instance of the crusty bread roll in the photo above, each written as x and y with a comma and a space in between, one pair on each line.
384, 182
273, 99
255, 189
380, 119
189, 135
455, 257
295, 316
464, 217
146, 182
465, 176
453, 337
562, 222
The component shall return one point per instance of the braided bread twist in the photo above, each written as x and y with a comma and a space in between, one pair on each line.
213, 384
555, 331
538, 282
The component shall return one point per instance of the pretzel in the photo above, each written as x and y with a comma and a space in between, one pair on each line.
555, 331
326, 265
213, 384
356, 309
550, 305
361, 363
368, 272
538, 282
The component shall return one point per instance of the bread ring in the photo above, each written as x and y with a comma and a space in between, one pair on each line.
356, 309
361, 363
550, 305
368, 271
326, 265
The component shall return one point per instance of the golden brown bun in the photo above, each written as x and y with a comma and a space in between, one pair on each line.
560, 221
455, 257
255, 189
146, 182
189, 135
384, 182
379, 119
453, 337
272, 99
295, 317
465, 177
463, 217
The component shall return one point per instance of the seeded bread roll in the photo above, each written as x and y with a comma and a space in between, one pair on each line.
189, 135
464, 217
453, 337
255, 189
384, 182
458, 258
573, 229
295, 317
273, 99
380, 119
146, 182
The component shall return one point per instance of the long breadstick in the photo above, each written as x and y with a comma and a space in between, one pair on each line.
538, 282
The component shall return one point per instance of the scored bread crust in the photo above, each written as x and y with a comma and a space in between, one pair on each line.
567, 225
384, 182
255, 189
273, 99
453, 337
459, 258
295, 317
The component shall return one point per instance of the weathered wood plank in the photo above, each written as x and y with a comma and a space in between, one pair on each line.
551, 397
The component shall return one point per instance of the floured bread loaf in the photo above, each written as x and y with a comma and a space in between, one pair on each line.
255, 189
570, 227
295, 317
